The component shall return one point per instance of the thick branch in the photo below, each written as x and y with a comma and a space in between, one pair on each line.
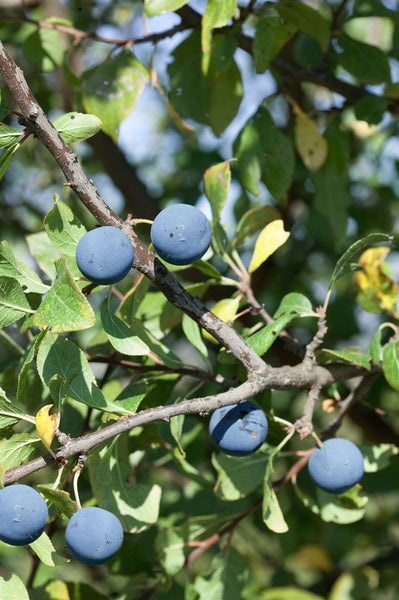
296, 377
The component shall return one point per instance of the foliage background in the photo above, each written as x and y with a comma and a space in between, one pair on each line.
254, 111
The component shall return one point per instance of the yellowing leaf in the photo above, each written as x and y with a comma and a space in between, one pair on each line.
311, 145
377, 290
226, 310
269, 240
47, 425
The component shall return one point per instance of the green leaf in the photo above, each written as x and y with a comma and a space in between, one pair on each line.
272, 514
208, 104
292, 306
371, 109
111, 90
265, 154
64, 308
120, 335
390, 364
227, 577
13, 302
170, 546
288, 593
238, 476
217, 181
43, 48
366, 63
63, 229
227, 84
11, 267
377, 457
296, 305
192, 331
270, 36
63, 367
6, 158
306, 19
253, 220
76, 127
159, 349
216, 15
132, 395
157, 7
343, 509
9, 136
10, 413
43, 252
353, 252
13, 588
136, 505
25, 371
353, 356
17, 449
331, 198
271, 511
44, 549
60, 498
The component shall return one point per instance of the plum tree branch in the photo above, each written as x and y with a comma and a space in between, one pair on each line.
285, 377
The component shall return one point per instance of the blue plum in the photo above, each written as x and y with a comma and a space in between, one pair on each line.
93, 535
337, 466
23, 514
181, 234
238, 429
104, 255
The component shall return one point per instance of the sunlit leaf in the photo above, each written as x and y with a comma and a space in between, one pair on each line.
63, 228
7, 157
13, 302
311, 145
217, 180
390, 364
157, 7
238, 477
350, 256
64, 308
377, 457
377, 290
13, 588
269, 240
75, 127
17, 449
225, 309
47, 425
216, 15
44, 549
137, 505
120, 335
111, 90
8, 135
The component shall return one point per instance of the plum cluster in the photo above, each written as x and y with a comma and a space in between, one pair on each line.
240, 429
93, 535
181, 234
